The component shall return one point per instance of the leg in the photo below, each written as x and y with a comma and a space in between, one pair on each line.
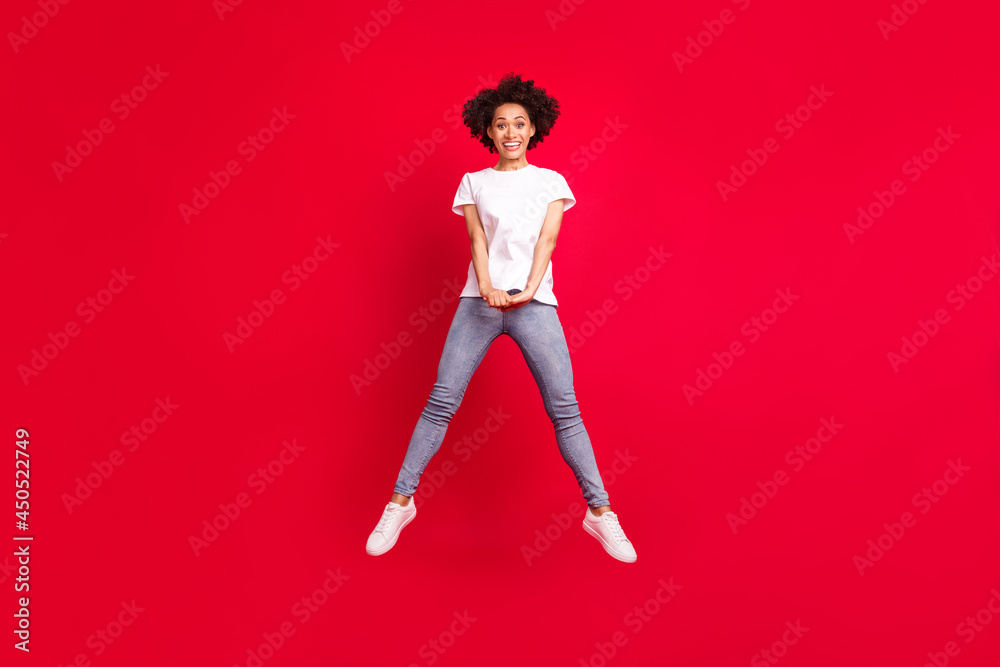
536, 329
473, 328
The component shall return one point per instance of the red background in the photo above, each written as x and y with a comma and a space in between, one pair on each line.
654, 184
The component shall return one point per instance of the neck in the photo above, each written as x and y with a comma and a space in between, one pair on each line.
506, 164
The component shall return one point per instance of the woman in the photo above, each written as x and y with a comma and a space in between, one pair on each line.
513, 211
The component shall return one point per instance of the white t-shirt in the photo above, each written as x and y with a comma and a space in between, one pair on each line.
512, 207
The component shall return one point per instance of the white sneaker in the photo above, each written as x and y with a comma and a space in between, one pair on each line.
609, 533
394, 517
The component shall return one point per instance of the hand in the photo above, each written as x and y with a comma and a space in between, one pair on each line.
520, 299
497, 298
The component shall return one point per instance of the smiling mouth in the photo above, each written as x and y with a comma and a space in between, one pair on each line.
512, 146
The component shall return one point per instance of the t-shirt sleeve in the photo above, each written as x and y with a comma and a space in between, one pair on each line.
464, 194
559, 189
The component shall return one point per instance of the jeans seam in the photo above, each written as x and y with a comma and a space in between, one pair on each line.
468, 377
427, 458
547, 398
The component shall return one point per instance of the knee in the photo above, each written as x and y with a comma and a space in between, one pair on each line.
442, 403
563, 405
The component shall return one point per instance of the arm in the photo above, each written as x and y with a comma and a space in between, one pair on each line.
544, 247
481, 258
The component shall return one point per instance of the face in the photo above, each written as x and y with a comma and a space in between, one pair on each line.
511, 130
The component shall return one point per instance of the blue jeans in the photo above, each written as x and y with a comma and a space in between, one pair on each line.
536, 329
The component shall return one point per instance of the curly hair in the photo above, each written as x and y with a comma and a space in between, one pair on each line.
477, 114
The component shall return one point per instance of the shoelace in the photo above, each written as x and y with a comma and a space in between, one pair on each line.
387, 515
611, 521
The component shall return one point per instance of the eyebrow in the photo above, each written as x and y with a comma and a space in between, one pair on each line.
502, 118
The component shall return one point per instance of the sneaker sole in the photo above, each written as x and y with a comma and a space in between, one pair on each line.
392, 542
611, 552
